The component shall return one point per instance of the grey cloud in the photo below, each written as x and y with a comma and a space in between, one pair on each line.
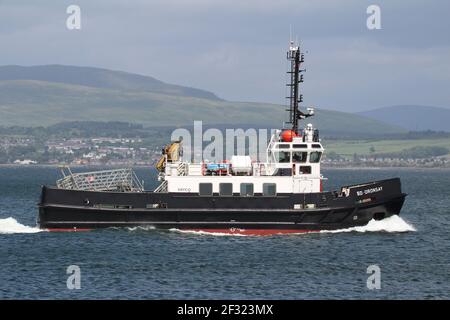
236, 48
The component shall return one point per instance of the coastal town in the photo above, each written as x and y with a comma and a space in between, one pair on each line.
381, 162
78, 151
127, 151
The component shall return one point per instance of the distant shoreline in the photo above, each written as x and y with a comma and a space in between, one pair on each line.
386, 168
355, 168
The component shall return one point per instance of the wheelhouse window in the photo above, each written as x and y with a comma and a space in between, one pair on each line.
283, 146
314, 157
299, 157
305, 169
287, 172
226, 189
300, 146
269, 189
246, 189
205, 189
282, 156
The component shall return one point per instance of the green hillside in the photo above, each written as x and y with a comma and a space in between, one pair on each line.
42, 103
99, 78
347, 148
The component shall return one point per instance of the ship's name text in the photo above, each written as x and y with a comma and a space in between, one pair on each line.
369, 191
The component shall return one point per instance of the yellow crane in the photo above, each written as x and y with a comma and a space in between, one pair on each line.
171, 152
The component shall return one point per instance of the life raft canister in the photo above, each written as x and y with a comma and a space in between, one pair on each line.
288, 135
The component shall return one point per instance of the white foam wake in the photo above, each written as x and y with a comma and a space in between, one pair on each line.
391, 224
208, 233
10, 226
140, 228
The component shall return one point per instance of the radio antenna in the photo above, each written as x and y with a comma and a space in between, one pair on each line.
296, 58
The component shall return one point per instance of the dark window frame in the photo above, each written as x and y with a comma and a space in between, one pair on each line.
220, 189
277, 156
304, 156
200, 189
246, 193
318, 159
269, 195
305, 169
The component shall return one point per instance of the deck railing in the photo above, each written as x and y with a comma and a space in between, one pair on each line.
122, 180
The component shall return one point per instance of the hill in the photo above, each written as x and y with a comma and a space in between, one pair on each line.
411, 117
99, 78
53, 99
382, 147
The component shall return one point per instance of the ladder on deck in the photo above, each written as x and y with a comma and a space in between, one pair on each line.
162, 188
182, 169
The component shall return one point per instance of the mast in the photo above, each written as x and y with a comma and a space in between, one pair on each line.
296, 58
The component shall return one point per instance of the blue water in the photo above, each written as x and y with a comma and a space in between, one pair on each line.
151, 264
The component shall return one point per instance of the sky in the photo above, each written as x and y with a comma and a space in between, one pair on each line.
237, 49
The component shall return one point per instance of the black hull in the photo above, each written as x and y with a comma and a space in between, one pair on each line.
79, 210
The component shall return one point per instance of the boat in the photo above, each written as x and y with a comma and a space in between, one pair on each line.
283, 194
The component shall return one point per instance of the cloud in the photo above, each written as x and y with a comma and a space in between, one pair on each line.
237, 48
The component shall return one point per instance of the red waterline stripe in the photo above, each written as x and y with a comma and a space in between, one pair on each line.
251, 232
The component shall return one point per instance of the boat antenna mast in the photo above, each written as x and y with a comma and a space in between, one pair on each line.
296, 58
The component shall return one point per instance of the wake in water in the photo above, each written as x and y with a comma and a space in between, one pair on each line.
391, 224
140, 228
11, 226
217, 234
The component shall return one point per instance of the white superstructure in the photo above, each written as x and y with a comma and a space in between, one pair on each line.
292, 160
291, 166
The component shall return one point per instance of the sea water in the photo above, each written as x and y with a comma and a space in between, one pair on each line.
412, 251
